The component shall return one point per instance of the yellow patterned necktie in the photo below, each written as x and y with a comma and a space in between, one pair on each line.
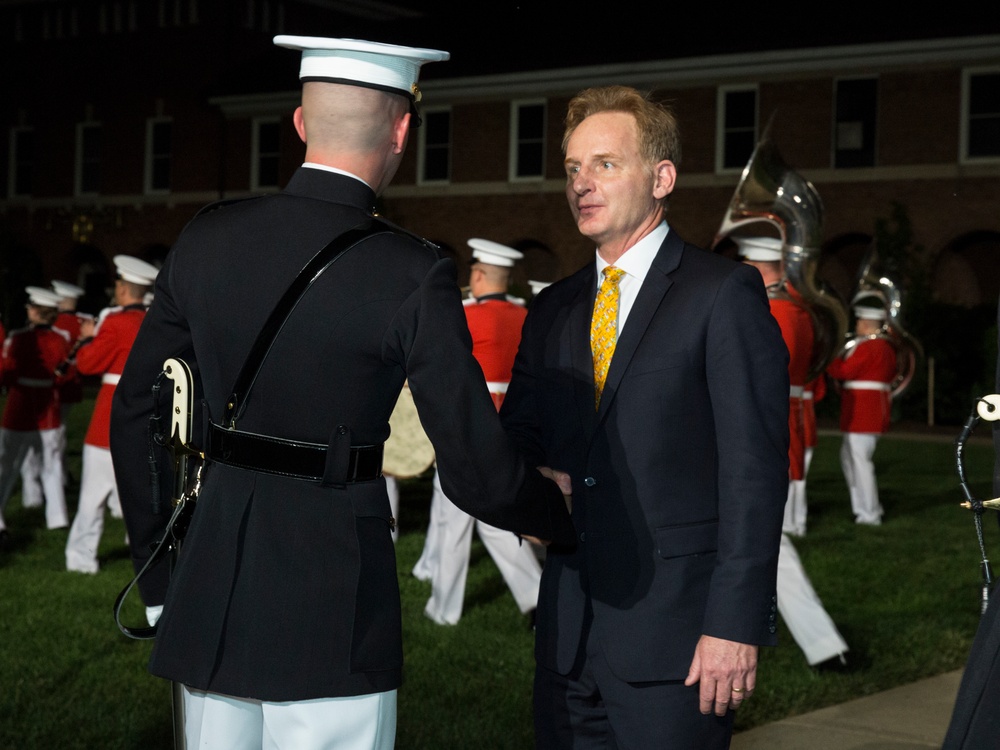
604, 328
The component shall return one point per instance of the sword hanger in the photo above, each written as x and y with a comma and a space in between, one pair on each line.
986, 408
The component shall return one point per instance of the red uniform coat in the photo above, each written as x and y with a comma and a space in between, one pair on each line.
872, 366
105, 354
797, 333
495, 325
71, 389
30, 357
818, 389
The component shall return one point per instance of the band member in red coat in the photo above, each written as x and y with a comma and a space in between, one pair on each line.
808, 621
495, 321
31, 415
70, 392
866, 371
104, 348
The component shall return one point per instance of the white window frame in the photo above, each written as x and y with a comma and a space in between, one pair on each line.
15, 162
78, 158
834, 135
963, 152
151, 124
422, 151
255, 154
720, 125
515, 141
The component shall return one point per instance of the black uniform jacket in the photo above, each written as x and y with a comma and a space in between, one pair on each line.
287, 590
679, 479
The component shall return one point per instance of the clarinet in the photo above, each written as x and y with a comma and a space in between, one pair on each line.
63, 367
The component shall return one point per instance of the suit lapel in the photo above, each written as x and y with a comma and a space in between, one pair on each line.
648, 301
581, 310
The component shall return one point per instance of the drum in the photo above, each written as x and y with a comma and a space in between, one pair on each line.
408, 451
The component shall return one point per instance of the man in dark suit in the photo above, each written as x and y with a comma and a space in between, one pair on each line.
648, 627
282, 617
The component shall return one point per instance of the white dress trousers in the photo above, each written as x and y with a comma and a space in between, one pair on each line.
15, 446
98, 490
856, 453
515, 559
803, 612
220, 722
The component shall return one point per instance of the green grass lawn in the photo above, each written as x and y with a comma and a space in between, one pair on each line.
904, 595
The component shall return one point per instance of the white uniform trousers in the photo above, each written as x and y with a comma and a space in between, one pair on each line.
796, 507
98, 490
32, 495
220, 722
516, 560
14, 447
427, 563
856, 453
801, 609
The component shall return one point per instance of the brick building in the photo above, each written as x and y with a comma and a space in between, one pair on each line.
123, 118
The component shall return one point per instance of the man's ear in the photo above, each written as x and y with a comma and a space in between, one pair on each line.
400, 134
300, 125
666, 175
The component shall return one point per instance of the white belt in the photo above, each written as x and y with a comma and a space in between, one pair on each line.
867, 385
35, 382
111, 378
795, 391
497, 387
807, 395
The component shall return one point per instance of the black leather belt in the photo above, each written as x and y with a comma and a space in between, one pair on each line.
289, 458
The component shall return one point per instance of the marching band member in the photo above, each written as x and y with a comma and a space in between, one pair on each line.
809, 623
867, 371
31, 415
104, 348
495, 323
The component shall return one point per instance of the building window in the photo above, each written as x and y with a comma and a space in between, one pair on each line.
434, 160
737, 127
22, 156
527, 140
981, 115
158, 154
88, 158
855, 107
266, 153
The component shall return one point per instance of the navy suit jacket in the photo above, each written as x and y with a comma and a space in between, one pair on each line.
679, 479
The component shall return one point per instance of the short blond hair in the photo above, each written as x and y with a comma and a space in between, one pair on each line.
659, 135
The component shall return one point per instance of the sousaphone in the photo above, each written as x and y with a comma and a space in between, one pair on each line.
874, 282
770, 191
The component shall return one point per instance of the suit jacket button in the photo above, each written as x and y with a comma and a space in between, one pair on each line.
590, 481
772, 629
583, 536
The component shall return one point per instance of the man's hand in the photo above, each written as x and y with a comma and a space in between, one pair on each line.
565, 484
727, 671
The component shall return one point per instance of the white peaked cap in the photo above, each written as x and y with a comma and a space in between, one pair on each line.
493, 253
386, 67
135, 270
537, 286
759, 248
39, 295
67, 290
863, 312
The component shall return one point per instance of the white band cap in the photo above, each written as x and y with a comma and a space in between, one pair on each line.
67, 290
493, 253
354, 61
135, 270
39, 295
759, 248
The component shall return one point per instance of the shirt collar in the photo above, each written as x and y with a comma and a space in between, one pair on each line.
637, 260
326, 168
